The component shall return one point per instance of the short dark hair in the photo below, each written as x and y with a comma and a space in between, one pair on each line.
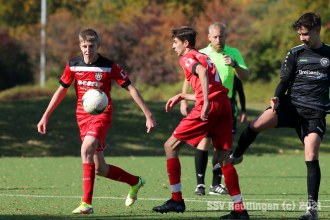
308, 20
185, 33
88, 34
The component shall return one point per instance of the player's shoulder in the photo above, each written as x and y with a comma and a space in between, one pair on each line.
205, 50
326, 47
297, 49
105, 62
232, 50
76, 61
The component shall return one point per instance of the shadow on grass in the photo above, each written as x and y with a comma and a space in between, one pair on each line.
126, 137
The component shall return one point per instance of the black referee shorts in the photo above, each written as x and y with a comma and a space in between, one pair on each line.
288, 117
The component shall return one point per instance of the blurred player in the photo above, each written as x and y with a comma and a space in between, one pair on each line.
305, 78
229, 63
212, 113
93, 71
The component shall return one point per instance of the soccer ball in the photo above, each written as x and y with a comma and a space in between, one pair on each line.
94, 102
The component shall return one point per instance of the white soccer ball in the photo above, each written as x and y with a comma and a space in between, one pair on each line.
94, 102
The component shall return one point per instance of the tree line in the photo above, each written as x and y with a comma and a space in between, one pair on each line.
137, 34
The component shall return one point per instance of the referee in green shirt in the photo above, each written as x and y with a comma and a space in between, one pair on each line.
228, 62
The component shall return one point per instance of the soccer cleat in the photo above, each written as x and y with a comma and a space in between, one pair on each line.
171, 206
235, 160
132, 194
236, 215
84, 208
218, 190
311, 214
200, 190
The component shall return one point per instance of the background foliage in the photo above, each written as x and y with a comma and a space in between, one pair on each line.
137, 34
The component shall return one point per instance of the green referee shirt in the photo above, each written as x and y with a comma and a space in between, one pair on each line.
226, 72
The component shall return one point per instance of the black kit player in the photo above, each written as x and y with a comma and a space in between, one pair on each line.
305, 80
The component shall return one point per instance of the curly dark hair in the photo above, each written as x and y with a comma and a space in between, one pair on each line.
308, 20
185, 33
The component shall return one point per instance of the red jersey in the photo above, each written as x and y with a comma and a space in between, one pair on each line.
189, 61
93, 76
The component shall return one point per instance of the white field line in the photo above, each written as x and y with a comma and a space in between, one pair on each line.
157, 199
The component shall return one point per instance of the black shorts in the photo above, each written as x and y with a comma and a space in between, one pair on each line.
288, 117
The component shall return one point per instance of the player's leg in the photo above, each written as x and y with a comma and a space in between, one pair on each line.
118, 174
90, 144
217, 188
201, 158
222, 139
312, 143
265, 121
176, 203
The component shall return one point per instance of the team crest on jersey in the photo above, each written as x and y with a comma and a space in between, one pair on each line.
98, 76
325, 62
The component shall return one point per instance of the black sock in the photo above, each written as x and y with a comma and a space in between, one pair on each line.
246, 138
313, 181
201, 158
216, 177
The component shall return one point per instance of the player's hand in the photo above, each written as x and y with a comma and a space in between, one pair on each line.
243, 117
205, 111
228, 60
184, 108
42, 125
172, 102
274, 102
151, 124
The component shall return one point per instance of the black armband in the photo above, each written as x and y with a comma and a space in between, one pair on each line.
125, 84
63, 84
193, 71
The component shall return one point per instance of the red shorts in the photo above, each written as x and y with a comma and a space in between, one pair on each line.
95, 128
192, 129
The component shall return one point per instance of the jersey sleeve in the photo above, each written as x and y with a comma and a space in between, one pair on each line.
189, 63
239, 87
118, 74
67, 77
239, 59
288, 70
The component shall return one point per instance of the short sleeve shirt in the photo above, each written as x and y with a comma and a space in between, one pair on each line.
189, 62
93, 76
226, 72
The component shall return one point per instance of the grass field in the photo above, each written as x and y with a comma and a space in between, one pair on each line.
40, 175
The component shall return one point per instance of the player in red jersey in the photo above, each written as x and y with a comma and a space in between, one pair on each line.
93, 71
212, 113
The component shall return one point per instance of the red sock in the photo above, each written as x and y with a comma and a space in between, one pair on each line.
121, 175
231, 181
88, 181
174, 174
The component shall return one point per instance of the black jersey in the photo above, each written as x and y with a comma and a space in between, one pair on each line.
307, 72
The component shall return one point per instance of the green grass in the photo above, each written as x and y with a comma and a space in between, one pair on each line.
48, 167
50, 188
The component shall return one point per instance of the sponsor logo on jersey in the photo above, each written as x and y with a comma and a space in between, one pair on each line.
123, 74
315, 74
98, 76
189, 61
81, 74
90, 83
324, 62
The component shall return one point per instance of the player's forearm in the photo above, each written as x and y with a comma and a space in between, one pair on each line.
56, 99
188, 97
185, 87
242, 73
139, 100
